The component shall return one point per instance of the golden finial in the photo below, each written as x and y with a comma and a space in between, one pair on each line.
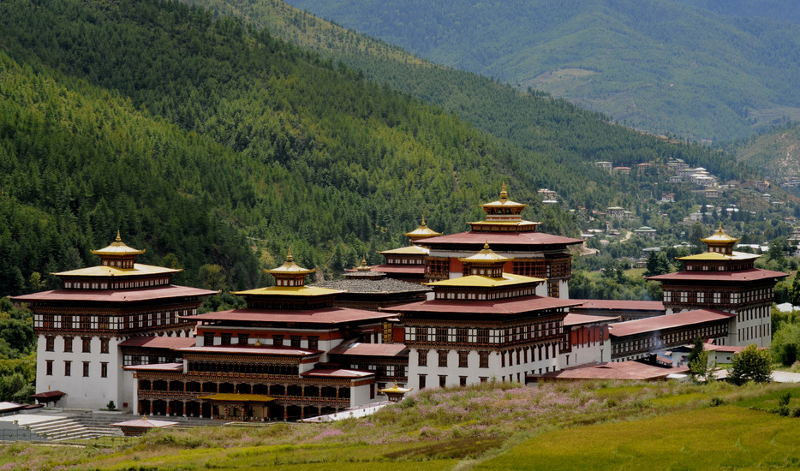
423, 220
144, 417
258, 343
289, 257
503, 192
119, 239
486, 245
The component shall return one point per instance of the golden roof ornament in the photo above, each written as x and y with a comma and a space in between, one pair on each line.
421, 232
364, 266
503, 193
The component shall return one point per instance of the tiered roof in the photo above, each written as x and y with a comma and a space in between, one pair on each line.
421, 232
720, 264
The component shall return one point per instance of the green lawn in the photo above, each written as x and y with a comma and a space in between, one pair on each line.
726, 437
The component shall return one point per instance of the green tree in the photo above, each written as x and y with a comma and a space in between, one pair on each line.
657, 264
786, 343
702, 367
697, 349
751, 364
794, 292
213, 277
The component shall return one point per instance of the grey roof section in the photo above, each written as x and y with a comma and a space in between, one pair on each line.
384, 286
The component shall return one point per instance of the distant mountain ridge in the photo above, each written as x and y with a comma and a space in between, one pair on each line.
657, 65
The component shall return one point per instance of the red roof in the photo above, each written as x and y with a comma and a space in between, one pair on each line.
337, 373
159, 342
652, 324
497, 306
618, 305
327, 316
252, 350
46, 394
753, 274
500, 238
580, 319
371, 349
627, 370
116, 296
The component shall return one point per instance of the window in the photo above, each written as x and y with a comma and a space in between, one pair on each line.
463, 359
225, 339
422, 334
68, 345
442, 381
104, 370
443, 358
208, 338
49, 366
49, 343
295, 339
277, 340
67, 368
441, 334
422, 357
483, 379
461, 335
422, 381
66, 322
86, 344
313, 343
85, 369
483, 336
243, 339
103, 345
484, 359
462, 380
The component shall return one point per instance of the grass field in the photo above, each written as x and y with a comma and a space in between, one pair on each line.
597, 425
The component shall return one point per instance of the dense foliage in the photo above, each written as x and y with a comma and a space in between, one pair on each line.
199, 139
657, 65
751, 364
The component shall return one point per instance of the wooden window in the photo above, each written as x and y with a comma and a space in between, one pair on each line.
67, 368
461, 335
295, 340
208, 339
441, 334
49, 343
86, 344
483, 336
68, 344
85, 369
443, 358
225, 338
277, 340
313, 343
442, 381
49, 367
422, 357
484, 359
462, 380
104, 370
463, 359
243, 339
422, 381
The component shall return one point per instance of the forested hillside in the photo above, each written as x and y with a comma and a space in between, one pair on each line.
657, 65
200, 138
553, 129
776, 152
782, 10
210, 142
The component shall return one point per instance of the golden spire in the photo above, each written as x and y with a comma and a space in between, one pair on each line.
289, 257
363, 266
119, 238
503, 192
